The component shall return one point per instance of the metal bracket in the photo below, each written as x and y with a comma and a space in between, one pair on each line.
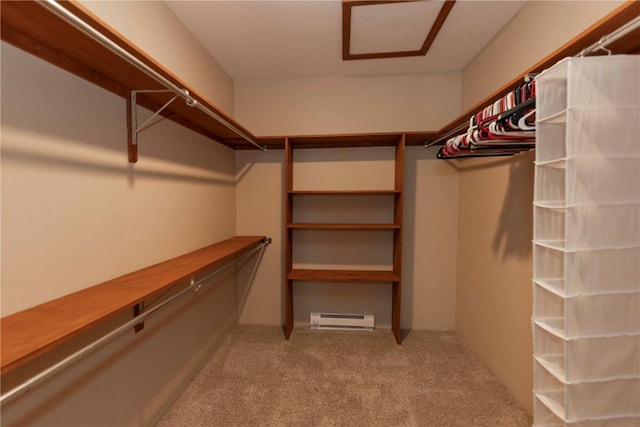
132, 117
137, 311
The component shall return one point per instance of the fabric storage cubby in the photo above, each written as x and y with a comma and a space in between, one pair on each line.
575, 401
550, 143
586, 248
587, 227
581, 359
587, 272
584, 181
586, 315
546, 418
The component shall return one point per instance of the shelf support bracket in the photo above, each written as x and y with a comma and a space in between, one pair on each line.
132, 118
137, 311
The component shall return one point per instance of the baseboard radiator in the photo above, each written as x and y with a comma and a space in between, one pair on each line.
357, 322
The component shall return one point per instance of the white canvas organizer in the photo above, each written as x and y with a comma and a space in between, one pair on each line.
586, 247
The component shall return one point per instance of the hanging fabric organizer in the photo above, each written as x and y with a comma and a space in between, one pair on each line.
586, 314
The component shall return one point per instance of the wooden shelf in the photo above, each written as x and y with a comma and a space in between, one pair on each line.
327, 226
629, 44
382, 139
34, 28
32, 332
343, 192
373, 276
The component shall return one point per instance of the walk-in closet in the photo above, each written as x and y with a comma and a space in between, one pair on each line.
312, 213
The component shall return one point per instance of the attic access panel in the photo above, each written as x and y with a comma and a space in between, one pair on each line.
391, 29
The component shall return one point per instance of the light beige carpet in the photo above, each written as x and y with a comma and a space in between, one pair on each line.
344, 378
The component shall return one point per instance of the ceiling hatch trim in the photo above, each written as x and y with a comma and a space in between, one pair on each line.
347, 18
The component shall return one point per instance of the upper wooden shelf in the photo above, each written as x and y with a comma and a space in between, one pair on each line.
35, 29
629, 44
30, 333
32, 27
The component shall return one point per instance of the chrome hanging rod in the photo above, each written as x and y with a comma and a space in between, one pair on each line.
605, 41
193, 287
62, 12
464, 126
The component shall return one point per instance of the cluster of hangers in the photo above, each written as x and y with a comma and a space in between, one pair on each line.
503, 128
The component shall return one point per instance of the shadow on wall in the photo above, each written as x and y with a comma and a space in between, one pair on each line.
49, 115
514, 231
514, 227
247, 271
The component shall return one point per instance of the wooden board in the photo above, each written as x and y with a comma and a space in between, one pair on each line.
29, 333
373, 276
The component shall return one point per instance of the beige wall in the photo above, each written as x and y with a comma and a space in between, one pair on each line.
72, 202
347, 104
430, 237
153, 27
310, 106
259, 206
76, 213
538, 29
493, 298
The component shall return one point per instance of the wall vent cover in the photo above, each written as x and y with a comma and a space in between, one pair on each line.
342, 321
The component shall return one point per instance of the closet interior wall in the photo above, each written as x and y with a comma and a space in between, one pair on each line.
433, 216
176, 48
74, 214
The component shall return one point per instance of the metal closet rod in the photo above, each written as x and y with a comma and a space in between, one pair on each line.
605, 41
53, 6
42, 376
447, 135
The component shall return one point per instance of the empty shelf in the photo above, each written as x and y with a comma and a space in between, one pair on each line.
325, 226
343, 275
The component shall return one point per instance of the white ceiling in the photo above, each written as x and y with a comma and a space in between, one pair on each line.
271, 39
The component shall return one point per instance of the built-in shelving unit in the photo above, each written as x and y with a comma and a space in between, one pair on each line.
391, 276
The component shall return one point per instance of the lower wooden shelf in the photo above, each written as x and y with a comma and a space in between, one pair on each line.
344, 226
34, 331
372, 276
